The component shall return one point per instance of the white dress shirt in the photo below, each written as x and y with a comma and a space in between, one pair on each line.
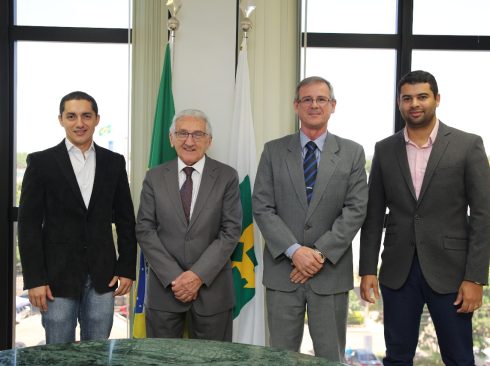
196, 178
84, 167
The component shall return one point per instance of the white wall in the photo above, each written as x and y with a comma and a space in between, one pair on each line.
204, 65
204, 70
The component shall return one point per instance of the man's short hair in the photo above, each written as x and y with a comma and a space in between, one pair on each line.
418, 77
192, 113
313, 80
78, 95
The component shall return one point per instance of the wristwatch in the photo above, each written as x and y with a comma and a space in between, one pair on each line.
321, 255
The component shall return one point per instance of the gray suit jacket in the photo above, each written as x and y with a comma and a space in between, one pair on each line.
329, 223
171, 246
451, 246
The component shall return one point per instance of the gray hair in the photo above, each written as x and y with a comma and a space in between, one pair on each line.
313, 80
192, 113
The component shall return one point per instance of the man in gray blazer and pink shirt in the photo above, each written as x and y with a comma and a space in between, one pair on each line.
188, 225
309, 201
436, 251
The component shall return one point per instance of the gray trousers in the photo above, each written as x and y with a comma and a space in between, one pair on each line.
327, 320
162, 324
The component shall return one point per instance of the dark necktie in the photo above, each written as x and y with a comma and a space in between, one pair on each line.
186, 192
310, 169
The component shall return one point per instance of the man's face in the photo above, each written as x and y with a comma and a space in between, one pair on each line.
190, 150
314, 107
79, 121
417, 104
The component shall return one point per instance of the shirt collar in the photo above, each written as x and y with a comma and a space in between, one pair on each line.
198, 166
319, 141
432, 136
70, 146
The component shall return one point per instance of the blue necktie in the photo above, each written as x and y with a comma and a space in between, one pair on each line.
310, 169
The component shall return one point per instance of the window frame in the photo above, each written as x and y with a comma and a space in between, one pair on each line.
9, 34
404, 42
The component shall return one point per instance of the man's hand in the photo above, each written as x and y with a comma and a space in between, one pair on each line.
368, 283
124, 285
38, 295
186, 286
470, 297
307, 261
297, 277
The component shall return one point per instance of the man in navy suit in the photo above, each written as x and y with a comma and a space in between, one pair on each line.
436, 251
71, 194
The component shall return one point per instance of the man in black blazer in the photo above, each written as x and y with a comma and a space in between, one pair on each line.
71, 194
435, 181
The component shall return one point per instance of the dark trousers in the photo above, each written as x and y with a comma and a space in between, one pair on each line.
162, 324
402, 313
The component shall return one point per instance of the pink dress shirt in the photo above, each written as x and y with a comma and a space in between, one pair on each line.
419, 156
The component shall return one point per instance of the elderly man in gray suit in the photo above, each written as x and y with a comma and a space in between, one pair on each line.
188, 225
309, 201
436, 251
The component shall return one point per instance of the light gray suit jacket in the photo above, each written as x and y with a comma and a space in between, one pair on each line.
171, 246
451, 246
335, 214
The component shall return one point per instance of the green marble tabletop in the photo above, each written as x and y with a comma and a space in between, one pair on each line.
146, 352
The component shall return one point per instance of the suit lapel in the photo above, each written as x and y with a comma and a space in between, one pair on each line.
328, 163
63, 160
294, 163
401, 156
170, 178
209, 175
101, 163
436, 154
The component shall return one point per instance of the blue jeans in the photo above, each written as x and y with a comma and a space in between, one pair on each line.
94, 312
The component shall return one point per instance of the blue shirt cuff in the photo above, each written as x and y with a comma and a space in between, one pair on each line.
291, 250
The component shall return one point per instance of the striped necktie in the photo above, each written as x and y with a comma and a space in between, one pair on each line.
310, 169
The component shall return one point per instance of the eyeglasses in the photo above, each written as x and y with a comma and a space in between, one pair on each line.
321, 101
196, 135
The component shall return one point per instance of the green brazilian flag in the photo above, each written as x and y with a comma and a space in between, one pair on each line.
160, 152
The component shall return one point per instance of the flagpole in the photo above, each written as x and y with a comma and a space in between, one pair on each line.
248, 313
160, 152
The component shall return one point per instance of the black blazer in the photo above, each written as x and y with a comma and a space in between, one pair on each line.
60, 240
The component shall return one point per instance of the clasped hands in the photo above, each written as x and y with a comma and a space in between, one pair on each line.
186, 286
306, 263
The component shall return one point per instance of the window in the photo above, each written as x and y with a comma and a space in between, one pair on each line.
73, 13
92, 55
364, 48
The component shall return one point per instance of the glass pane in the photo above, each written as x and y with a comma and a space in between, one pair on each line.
73, 13
443, 17
101, 70
45, 72
364, 113
350, 16
463, 90
364, 116
462, 78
